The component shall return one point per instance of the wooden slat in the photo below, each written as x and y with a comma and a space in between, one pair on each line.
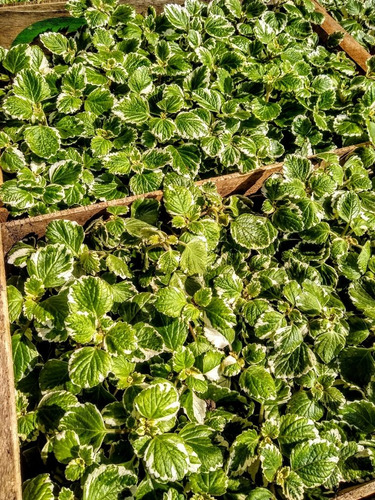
10, 472
353, 48
226, 185
15, 18
361, 492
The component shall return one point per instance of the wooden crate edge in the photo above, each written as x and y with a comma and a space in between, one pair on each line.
10, 469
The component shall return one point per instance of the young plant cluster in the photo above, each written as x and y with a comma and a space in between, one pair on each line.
202, 347
357, 17
199, 90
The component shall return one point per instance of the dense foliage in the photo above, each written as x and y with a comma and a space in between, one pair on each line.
357, 17
198, 90
202, 347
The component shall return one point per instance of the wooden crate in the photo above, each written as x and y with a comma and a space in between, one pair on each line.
14, 231
15, 18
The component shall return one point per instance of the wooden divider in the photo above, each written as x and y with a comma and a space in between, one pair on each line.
15, 18
353, 48
10, 471
237, 183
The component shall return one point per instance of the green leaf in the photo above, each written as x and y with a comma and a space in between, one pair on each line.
271, 460
65, 446
229, 286
343, 125
329, 344
361, 415
314, 461
219, 318
362, 293
294, 363
266, 111
16, 196
146, 183
81, 326
31, 86
294, 429
297, 167
185, 159
178, 200
16, 59
211, 483
348, 206
140, 81
12, 160
92, 295
89, 366
87, 422
42, 140
198, 437
293, 486
211, 100
258, 383
178, 16
170, 301
38, 488
167, 458
65, 173
108, 481
68, 233
25, 356
162, 128
53, 265
243, 451
218, 27
194, 257
99, 101
18, 107
253, 232
173, 331
53, 24
160, 401
118, 266
261, 494
133, 109
190, 126
15, 303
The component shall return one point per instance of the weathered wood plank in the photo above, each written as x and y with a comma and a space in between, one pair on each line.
353, 48
10, 472
15, 18
361, 492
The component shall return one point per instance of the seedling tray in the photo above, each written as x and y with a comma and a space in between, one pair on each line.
14, 231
